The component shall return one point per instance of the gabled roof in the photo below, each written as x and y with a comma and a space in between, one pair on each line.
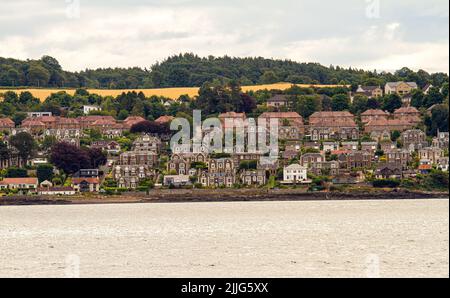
8, 181
295, 166
88, 180
278, 98
330, 114
164, 119
233, 115
407, 110
373, 112
396, 84
6, 122
281, 115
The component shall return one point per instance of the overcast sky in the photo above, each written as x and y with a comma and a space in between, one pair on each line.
369, 34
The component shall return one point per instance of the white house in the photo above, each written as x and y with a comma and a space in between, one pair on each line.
27, 184
88, 109
56, 191
295, 173
177, 180
330, 146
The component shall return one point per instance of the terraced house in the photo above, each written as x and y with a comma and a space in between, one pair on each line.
138, 164
6, 124
414, 139
333, 125
290, 124
221, 173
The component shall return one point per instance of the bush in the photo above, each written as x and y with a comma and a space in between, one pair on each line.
16, 173
389, 183
436, 180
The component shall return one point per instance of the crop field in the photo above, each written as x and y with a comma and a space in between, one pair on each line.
173, 93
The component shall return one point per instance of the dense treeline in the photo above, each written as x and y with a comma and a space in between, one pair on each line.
189, 70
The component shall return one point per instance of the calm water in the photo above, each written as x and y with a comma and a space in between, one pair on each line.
274, 239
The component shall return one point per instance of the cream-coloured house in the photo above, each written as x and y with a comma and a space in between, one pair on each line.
400, 88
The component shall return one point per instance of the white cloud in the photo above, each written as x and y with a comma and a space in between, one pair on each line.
138, 33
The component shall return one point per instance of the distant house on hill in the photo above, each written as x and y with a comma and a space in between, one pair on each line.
88, 109
278, 101
400, 88
369, 91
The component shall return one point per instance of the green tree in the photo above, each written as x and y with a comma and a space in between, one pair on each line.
38, 76
269, 77
16, 173
340, 102
4, 152
359, 104
25, 145
45, 172
392, 102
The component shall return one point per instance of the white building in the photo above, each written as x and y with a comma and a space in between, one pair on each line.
89, 109
39, 114
295, 173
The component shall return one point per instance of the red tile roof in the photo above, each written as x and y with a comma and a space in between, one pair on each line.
425, 167
281, 115
8, 181
76, 181
6, 122
407, 110
373, 112
164, 119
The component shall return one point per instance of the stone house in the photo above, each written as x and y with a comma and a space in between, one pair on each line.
290, 124
355, 159
441, 141
370, 147
277, 102
410, 114
390, 125
372, 114
86, 184
333, 125
147, 143
398, 156
369, 91
389, 171
330, 146
414, 139
253, 177
430, 154
221, 173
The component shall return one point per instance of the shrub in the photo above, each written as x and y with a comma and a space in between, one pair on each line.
390, 183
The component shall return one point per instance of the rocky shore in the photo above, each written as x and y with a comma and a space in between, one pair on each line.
186, 196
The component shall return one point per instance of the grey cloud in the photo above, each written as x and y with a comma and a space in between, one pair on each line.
234, 27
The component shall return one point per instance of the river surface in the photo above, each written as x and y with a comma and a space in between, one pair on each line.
253, 239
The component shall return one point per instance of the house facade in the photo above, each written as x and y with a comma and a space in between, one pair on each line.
333, 125
400, 88
295, 173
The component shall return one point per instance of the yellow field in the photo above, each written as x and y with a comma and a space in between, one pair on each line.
173, 93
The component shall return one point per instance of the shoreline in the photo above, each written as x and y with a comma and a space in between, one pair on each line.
204, 196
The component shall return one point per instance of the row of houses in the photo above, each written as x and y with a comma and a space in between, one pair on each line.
332, 125
403, 89
32, 186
